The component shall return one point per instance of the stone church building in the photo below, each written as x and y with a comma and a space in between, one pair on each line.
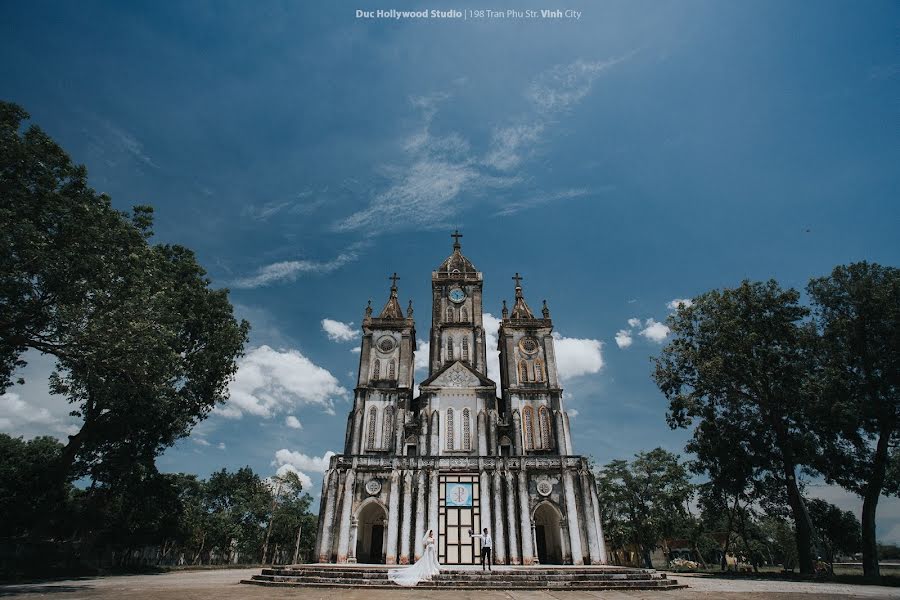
459, 456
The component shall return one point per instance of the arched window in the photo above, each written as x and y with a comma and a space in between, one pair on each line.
528, 427
449, 348
370, 435
450, 429
464, 314
387, 428
392, 372
449, 314
538, 370
465, 349
523, 372
544, 419
466, 430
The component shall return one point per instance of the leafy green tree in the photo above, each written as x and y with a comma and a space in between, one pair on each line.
857, 310
293, 528
144, 347
239, 505
838, 530
736, 365
644, 501
26, 503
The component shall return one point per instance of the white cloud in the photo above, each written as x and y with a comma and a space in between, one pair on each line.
673, 304
623, 338
572, 413
422, 351
654, 331
269, 381
293, 422
221, 445
305, 480
576, 357
338, 331
634, 322
303, 462
561, 87
200, 441
512, 208
30, 409
507, 144
290, 270
356, 350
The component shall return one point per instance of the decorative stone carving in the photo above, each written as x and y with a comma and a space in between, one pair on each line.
373, 487
545, 484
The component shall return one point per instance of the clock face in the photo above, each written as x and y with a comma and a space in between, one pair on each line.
457, 295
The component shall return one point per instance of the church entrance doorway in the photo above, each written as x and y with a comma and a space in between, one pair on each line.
370, 538
548, 532
459, 510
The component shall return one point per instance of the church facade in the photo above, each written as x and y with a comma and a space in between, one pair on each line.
458, 455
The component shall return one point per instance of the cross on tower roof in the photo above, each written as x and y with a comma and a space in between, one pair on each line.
456, 235
518, 279
394, 279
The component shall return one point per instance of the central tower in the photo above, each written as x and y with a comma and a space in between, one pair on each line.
457, 326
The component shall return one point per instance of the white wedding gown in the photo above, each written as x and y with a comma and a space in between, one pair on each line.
424, 569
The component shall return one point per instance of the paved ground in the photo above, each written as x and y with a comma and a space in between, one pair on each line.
223, 585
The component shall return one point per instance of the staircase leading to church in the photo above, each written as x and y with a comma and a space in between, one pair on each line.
522, 578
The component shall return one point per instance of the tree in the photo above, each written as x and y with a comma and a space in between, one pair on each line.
293, 527
838, 530
144, 347
857, 310
643, 502
25, 502
239, 504
736, 366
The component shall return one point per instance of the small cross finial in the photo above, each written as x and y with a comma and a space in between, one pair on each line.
456, 235
394, 279
518, 279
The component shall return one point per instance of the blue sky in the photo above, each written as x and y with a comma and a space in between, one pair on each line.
643, 153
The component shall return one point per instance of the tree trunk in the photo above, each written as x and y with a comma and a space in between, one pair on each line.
801, 522
870, 504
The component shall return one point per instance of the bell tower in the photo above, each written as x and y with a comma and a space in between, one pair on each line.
384, 386
457, 327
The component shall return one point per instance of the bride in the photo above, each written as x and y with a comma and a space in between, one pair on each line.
424, 569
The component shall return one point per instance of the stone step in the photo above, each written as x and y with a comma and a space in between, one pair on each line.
478, 576
382, 572
656, 584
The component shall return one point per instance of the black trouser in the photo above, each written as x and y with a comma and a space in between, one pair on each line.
485, 557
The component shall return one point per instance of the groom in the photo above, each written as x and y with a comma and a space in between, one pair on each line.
485, 548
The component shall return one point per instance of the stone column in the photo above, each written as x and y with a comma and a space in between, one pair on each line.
572, 518
407, 517
525, 520
499, 545
588, 512
419, 530
598, 522
482, 434
328, 522
564, 540
399, 426
569, 450
434, 447
433, 504
393, 519
511, 519
346, 513
354, 532
485, 485
423, 435
357, 432
560, 426
517, 446
493, 435
537, 559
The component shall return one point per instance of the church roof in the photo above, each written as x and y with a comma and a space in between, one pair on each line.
392, 309
457, 262
484, 381
521, 310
